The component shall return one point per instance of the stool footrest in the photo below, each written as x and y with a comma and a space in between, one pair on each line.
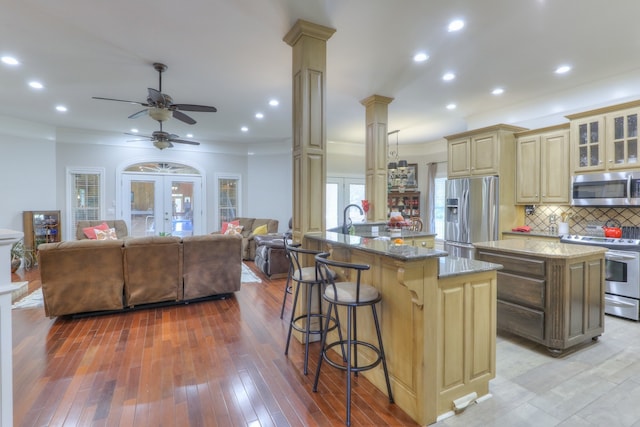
322, 317
343, 367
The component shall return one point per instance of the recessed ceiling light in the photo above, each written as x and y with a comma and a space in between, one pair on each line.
455, 25
61, 108
259, 115
420, 57
244, 129
9, 60
497, 91
250, 153
274, 102
448, 76
451, 107
563, 69
36, 85
189, 135
134, 130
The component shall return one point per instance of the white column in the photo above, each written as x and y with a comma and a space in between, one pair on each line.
7, 239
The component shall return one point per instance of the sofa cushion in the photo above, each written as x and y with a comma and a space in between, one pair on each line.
109, 234
233, 229
119, 224
90, 232
260, 230
226, 225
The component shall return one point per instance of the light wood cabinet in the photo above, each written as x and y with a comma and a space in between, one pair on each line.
489, 151
542, 166
606, 138
481, 152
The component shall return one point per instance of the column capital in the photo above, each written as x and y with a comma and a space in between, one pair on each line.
306, 28
379, 99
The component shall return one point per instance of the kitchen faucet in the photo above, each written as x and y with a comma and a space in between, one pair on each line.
345, 227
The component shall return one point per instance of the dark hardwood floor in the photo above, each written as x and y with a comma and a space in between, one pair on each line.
214, 363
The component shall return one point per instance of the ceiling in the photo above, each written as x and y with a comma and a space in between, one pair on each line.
230, 54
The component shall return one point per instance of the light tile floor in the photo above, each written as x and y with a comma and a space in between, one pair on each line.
595, 385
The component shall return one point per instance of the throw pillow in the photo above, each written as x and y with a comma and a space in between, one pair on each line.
90, 232
234, 229
109, 234
260, 230
225, 225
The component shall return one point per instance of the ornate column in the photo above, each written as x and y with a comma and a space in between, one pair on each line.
377, 149
308, 41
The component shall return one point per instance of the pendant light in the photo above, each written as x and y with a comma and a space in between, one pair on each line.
396, 164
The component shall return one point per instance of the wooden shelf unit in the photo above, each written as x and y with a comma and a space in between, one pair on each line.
41, 227
407, 203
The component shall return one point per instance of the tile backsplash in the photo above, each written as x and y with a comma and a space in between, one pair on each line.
580, 217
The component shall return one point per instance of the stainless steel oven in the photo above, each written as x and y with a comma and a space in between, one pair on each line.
622, 273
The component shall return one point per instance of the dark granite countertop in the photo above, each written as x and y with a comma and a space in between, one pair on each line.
454, 266
379, 246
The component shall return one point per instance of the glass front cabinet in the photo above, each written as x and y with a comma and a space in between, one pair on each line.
606, 139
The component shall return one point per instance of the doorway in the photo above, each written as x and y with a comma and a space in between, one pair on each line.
156, 204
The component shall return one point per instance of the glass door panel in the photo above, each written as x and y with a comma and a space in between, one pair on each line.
228, 198
161, 205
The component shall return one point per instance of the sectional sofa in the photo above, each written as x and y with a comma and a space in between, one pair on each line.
89, 276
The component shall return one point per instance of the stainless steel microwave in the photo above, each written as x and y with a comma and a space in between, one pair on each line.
606, 189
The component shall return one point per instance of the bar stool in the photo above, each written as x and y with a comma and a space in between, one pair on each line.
306, 276
287, 285
349, 294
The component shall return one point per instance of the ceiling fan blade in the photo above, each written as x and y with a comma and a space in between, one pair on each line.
139, 113
182, 141
121, 100
140, 136
183, 117
193, 107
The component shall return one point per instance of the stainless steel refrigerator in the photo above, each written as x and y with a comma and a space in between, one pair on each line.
471, 213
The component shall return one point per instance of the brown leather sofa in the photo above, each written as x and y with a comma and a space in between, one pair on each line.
82, 276
248, 227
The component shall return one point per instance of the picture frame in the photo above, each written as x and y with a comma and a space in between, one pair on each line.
410, 179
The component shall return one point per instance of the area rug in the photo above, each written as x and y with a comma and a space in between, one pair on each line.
34, 299
248, 276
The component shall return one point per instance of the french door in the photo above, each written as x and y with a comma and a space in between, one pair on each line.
162, 204
341, 192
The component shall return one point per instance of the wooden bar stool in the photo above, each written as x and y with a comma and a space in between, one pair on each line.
349, 294
306, 276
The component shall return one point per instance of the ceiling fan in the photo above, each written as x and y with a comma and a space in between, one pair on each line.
160, 106
161, 139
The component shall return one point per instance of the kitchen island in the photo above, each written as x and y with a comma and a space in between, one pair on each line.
551, 293
438, 321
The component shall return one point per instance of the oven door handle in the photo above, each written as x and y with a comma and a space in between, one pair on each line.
619, 256
617, 303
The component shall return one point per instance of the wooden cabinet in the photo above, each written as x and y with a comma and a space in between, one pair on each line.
428, 242
605, 138
555, 301
489, 151
407, 203
485, 151
41, 227
542, 166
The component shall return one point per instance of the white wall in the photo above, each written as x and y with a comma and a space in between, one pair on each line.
270, 190
27, 177
114, 158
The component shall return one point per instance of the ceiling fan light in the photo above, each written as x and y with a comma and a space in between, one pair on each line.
161, 145
159, 114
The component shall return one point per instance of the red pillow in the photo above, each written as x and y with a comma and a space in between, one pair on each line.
227, 224
90, 232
